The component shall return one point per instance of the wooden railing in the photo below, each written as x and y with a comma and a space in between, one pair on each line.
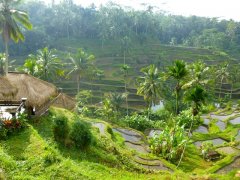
44, 108
10, 103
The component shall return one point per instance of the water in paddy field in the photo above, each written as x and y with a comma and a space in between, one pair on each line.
128, 137
201, 129
157, 106
221, 125
138, 148
235, 121
233, 166
154, 132
216, 142
222, 117
100, 126
206, 121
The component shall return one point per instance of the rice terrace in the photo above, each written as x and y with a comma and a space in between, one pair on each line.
106, 90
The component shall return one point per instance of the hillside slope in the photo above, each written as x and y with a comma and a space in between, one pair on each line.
109, 58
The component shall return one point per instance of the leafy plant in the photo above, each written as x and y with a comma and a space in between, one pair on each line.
185, 119
206, 147
60, 127
169, 144
138, 122
80, 134
3, 130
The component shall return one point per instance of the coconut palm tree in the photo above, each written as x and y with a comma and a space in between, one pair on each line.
116, 100
197, 96
10, 19
31, 66
80, 62
178, 71
125, 46
199, 75
50, 64
149, 85
222, 74
125, 68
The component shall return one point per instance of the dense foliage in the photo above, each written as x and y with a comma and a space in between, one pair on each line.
80, 134
138, 122
9, 126
169, 143
115, 22
60, 128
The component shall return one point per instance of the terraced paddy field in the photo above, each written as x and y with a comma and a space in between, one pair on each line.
118, 153
109, 58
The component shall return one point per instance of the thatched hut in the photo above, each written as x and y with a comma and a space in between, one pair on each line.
37, 92
7, 90
64, 101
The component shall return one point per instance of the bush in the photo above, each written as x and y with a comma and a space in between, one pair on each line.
80, 134
60, 127
185, 119
3, 130
51, 157
138, 122
161, 114
169, 144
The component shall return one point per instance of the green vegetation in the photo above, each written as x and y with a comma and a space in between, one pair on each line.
117, 130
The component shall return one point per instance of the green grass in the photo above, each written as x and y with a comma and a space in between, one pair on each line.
33, 154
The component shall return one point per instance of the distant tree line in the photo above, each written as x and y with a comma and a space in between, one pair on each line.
113, 22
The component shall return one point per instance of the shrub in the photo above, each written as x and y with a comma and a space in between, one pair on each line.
80, 134
169, 144
185, 119
22, 119
51, 157
60, 127
161, 114
206, 147
3, 130
138, 122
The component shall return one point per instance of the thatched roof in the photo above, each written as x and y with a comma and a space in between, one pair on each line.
35, 90
7, 90
65, 101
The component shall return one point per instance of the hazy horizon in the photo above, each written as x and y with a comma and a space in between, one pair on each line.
205, 8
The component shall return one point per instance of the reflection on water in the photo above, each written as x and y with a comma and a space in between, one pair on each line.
157, 106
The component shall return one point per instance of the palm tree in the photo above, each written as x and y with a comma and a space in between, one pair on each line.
31, 66
199, 75
125, 45
178, 71
223, 74
149, 85
125, 68
80, 61
2, 62
116, 100
10, 20
50, 64
197, 96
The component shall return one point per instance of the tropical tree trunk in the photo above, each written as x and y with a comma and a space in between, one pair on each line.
78, 83
177, 98
6, 62
124, 57
189, 132
220, 89
126, 94
91, 91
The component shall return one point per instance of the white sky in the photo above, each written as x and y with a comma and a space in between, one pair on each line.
224, 9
